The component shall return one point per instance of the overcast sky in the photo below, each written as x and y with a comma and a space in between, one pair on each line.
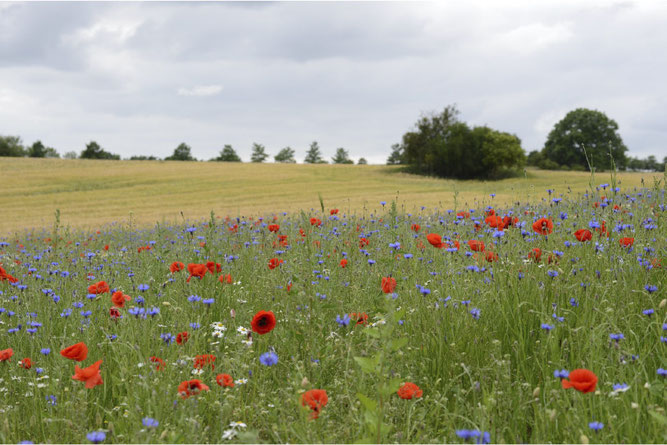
139, 78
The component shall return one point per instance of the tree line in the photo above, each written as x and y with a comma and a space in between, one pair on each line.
12, 146
441, 145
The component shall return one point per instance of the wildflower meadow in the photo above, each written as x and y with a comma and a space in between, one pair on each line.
539, 322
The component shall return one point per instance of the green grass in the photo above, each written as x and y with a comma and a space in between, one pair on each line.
493, 373
90, 194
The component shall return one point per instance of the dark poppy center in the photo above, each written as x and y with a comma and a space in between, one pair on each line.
263, 321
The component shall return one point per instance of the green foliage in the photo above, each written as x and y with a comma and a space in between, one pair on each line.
38, 150
228, 154
181, 153
384, 341
11, 146
70, 155
342, 157
648, 164
285, 156
144, 158
362, 161
585, 130
258, 153
313, 155
443, 146
397, 156
94, 151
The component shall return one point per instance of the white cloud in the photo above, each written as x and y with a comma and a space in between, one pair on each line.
534, 37
204, 90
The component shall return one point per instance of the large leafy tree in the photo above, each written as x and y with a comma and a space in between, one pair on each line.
313, 155
181, 153
228, 154
441, 145
585, 136
11, 146
258, 153
285, 156
342, 157
94, 151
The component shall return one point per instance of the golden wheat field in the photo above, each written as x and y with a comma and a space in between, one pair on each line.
91, 193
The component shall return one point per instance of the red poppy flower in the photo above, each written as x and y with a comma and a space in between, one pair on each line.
465, 215
582, 380
388, 284
543, 226
225, 380
26, 363
490, 212
106, 247
5, 276
476, 245
114, 313
343, 263
452, 245
274, 262
583, 235
495, 221
6, 354
314, 222
197, 270
119, 298
315, 399
289, 286
415, 227
77, 352
182, 337
363, 242
602, 230
90, 375
263, 322
274, 227
203, 360
191, 388
160, 364
626, 242
491, 256
535, 254
434, 240
333, 211
213, 267
101, 287
509, 221
409, 391
225, 278
176, 266
360, 318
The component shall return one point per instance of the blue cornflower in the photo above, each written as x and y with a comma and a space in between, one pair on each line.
562, 374
52, 400
153, 311
86, 314
208, 301
552, 273
343, 321
478, 436
139, 300
662, 372
194, 298
268, 358
371, 262
620, 387
143, 287
190, 229
195, 325
650, 288
596, 426
475, 313
150, 422
573, 302
383, 203
56, 298
407, 256
167, 338
521, 275
96, 436
617, 337
39, 370
45, 351
648, 312
546, 327
137, 312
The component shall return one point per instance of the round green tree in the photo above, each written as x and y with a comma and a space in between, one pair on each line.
585, 137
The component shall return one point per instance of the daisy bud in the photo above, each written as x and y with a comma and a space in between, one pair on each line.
663, 303
305, 382
584, 439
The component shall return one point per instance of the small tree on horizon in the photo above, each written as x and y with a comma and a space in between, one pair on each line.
94, 151
181, 153
228, 154
362, 161
313, 155
11, 146
258, 153
285, 156
342, 157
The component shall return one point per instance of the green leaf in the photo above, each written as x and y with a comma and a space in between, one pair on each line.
369, 404
659, 417
372, 332
367, 364
398, 343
